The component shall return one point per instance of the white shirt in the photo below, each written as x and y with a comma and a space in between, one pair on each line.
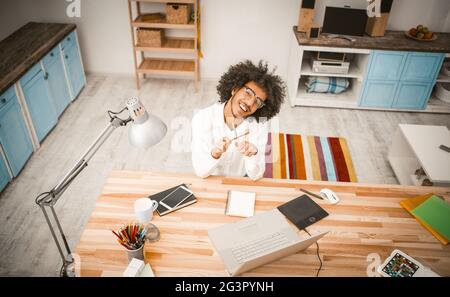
208, 127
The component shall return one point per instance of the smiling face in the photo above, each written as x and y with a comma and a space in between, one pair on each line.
247, 99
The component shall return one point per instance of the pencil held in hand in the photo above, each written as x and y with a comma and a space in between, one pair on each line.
246, 133
132, 236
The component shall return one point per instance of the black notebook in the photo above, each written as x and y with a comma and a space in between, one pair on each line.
163, 210
302, 211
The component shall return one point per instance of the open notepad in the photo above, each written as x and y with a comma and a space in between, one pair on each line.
240, 204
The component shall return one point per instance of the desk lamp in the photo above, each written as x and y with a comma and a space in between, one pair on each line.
145, 130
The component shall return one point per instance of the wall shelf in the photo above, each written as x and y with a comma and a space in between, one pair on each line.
167, 66
354, 72
171, 44
139, 23
188, 65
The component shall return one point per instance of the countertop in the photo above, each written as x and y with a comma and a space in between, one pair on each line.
392, 40
26, 46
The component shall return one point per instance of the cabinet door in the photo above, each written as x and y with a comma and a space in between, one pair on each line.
378, 94
74, 68
412, 95
58, 84
40, 104
422, 67
4, 174
386, 65
14, 136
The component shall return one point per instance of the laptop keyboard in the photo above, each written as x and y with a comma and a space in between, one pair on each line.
259, 247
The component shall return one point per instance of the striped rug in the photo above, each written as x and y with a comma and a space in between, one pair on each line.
290, 156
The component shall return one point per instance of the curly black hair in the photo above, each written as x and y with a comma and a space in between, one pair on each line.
240, 74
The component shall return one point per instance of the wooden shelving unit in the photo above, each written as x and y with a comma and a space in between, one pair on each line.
188, 67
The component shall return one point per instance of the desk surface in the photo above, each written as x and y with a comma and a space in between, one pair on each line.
391, 41
368, 220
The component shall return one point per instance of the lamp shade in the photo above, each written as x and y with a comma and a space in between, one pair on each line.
146, 129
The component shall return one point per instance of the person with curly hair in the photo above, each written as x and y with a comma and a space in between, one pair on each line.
229, 137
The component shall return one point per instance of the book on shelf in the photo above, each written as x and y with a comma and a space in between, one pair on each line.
162, 210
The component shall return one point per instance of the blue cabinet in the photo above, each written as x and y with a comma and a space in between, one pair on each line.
379, 94
412, 95
4, 174
14, 137
57, 80
401, 80
74, 66
39, 101
422, 67
386, 65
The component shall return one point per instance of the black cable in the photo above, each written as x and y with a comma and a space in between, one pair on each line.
318, 255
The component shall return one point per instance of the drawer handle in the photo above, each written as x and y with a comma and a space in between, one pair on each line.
51, 55
68, 39
46, 76
67, 57
3, 100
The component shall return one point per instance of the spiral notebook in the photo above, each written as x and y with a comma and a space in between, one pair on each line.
163, 210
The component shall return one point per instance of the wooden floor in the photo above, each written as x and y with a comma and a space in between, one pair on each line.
26, 246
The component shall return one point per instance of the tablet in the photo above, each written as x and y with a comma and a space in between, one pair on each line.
399, 264
174, 198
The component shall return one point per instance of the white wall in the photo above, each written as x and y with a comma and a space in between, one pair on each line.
103, 30
231, 29
10, 18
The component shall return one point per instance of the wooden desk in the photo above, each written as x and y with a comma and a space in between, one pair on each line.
368, 220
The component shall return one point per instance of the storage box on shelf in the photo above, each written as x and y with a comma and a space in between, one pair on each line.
170, 44
150, 37
178, 13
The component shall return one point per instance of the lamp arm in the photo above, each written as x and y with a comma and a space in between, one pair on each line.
49, 199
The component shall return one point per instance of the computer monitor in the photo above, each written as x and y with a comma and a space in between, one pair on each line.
344, 21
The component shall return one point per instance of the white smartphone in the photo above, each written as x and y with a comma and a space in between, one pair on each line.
174, 198
399, 264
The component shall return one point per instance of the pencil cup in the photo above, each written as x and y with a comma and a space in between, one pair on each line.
138, 254
144, 208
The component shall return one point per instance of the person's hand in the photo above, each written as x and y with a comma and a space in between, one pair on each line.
246, 148
220, 147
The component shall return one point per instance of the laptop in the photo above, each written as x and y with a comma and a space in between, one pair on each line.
258, 240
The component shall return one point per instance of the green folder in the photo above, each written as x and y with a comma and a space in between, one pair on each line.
435, 212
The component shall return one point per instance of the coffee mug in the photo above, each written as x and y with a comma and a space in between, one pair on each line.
144, 208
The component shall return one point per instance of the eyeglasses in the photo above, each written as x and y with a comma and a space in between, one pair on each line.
250, 93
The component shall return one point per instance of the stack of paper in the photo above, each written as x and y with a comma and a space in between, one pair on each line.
240, 204
433, 213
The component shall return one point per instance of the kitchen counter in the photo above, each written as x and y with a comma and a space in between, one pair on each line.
26, 46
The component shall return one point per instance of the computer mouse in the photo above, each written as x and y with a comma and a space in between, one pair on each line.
329, 195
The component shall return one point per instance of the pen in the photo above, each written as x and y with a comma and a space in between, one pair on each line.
236, 137
312, 194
